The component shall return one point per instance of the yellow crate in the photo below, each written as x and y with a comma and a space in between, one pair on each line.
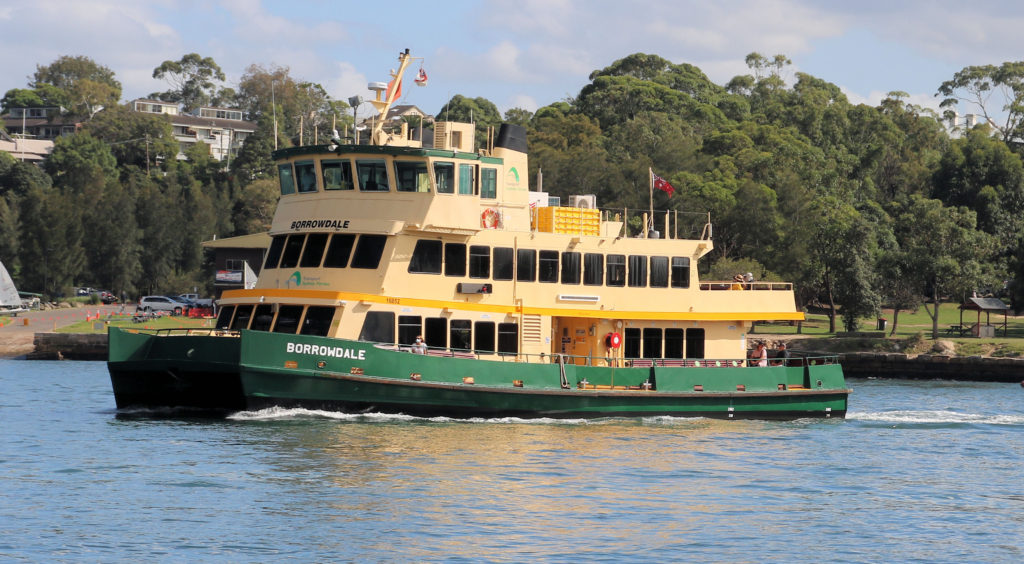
580, 221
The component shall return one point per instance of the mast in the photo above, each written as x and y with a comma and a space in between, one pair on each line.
394, 88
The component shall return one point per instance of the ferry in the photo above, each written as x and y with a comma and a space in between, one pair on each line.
428, 279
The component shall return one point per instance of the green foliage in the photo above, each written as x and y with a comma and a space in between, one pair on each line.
86, 86
192, 80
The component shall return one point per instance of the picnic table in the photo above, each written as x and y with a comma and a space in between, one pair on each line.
959, 330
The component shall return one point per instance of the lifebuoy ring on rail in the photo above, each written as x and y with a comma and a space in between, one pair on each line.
613, 340
490, 218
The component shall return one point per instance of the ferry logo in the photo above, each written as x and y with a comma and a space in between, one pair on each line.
297, 276
515, 173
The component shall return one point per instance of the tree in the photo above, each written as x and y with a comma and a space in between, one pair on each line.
978, 85
947, 255
80, 159
86, 84
45, 95
479, 111
254, 208
191, 79
135, 138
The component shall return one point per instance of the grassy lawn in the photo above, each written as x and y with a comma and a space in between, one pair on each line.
913, 334
164, 322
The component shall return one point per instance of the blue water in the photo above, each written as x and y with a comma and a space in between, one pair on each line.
925, 472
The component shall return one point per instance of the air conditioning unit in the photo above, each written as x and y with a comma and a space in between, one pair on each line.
588, 201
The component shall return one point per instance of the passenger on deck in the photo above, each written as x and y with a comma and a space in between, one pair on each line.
759, 356
419, 347
737, 282
782, 356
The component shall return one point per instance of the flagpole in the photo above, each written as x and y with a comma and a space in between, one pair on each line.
650, 182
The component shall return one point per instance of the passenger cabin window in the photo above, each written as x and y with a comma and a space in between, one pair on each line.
652, 342
444, 177
292, 250
659, 272
674, 339
409, 327
680, 272
369, 250
426, 257
287, 319
337, 175
637, 271
305, 172
593, 269
262, 318
631, 342
412, 176
548, 268
242, 317
467, 179
508, 338
570, 268
435, 332
489, 183
373, 175
526, 265
504, 266
479, 261
274, 254
317, 321
378, 327
224, 317
459, 336
313, 254
340, 249
483, 336
454, 259
616, 270
286, 178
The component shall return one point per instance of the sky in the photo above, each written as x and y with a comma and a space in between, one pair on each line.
521, 53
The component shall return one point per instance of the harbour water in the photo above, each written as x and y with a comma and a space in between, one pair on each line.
919, 471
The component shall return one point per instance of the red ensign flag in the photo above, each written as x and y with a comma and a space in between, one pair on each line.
662, 184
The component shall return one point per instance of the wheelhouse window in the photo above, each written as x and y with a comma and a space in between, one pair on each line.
373, 175
444, 177
508, 338
287, 178
292, 250
274, 253
378, 327
659, 272
593, 269
467, 179
339, 251
680, 272
570, 268
369, 250
314, 251
317, 321
287, 319
479, 261
483, 336
454, 259
616, 270
548, 268
337, 175
409, 327
459, 336
504, 263
488, 183
412, 176
526, 265
262, 318
637, 271
426, 257
305, 173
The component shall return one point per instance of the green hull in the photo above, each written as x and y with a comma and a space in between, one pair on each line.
320, 373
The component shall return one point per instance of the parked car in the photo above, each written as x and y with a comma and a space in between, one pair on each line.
195, 299
163, 303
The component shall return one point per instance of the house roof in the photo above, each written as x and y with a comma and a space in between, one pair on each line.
251, 241
238, 125
27, 149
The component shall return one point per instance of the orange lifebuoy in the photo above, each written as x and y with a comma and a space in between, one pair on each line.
613, 340
489, 218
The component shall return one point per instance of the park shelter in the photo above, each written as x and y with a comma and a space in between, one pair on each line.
987, 305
